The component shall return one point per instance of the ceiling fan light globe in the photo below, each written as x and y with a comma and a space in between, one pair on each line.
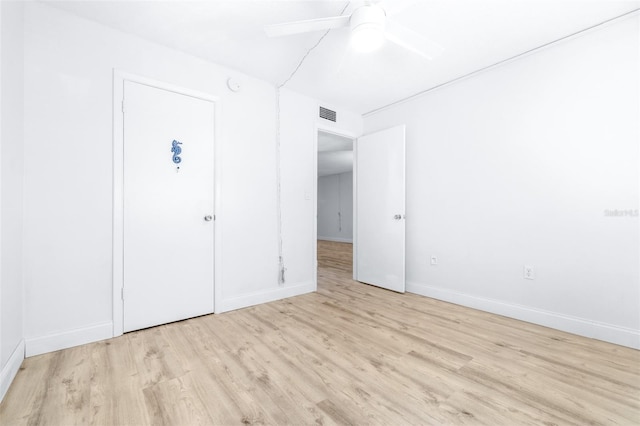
367, 38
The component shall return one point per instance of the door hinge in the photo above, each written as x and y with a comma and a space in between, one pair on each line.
122, 293
123, 105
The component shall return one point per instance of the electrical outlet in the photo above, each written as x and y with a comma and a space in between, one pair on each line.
529, 272
434, 260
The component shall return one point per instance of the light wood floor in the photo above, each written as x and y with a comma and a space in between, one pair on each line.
348, 354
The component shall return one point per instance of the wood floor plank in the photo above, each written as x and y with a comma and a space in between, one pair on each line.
25, 403
155, 359
348, 354
175, 401
117, 385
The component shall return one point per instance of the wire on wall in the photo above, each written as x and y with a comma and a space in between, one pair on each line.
340, 204
281, 267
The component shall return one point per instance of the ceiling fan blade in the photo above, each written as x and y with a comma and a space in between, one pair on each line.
393, 7
411, 40
307, 26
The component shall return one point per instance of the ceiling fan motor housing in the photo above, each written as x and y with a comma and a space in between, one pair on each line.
370, 16
367, 24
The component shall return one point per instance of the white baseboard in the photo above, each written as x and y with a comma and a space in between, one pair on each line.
10, 369
68, 338
337, 239
580, 326
252, 299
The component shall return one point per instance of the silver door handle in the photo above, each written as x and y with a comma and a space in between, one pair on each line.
208, 218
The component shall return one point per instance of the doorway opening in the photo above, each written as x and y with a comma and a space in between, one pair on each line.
335, 217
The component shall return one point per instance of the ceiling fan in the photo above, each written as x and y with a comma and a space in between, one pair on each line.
370, 27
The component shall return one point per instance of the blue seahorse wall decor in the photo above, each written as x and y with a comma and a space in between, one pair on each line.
175, 148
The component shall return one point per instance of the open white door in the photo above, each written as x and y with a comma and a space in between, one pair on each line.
168, 206
379, 244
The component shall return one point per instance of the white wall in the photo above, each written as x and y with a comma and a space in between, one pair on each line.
335, 207
68, 177
11, 173
517, 165
300, 124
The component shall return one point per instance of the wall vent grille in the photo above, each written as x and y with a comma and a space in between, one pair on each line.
327, 114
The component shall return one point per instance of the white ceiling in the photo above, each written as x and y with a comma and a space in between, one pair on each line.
332, 142
335, 154
474, 33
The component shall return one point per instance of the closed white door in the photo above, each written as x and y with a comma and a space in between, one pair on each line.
380, 209
168, 206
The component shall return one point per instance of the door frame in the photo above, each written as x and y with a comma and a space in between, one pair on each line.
119, 77
345, 134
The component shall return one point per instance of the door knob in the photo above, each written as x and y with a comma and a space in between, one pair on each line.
208, 218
